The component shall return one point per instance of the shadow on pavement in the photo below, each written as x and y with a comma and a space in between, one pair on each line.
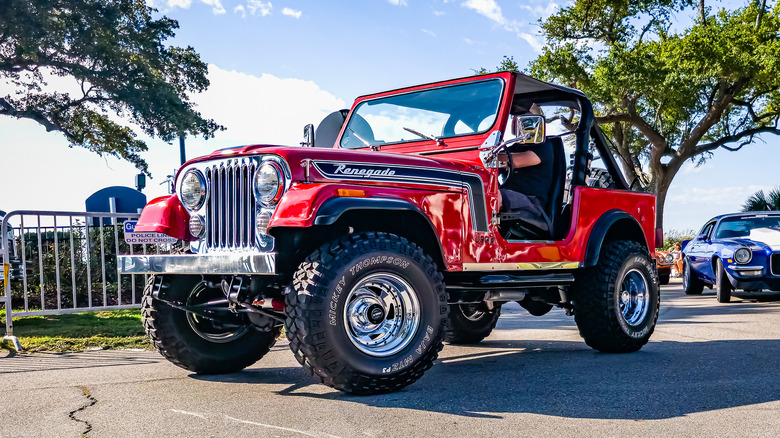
567, 379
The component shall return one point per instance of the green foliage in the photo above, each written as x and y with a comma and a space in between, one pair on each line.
507, 64
81, 331
763, 202
115, 51
667, 95
677, 236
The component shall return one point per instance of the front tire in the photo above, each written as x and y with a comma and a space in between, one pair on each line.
723, 287
691, 283
616, 302
470, 323
367, 313
195, 343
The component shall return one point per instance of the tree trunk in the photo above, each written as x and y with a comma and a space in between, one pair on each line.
702, 14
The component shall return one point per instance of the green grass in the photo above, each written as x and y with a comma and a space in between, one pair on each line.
116, 329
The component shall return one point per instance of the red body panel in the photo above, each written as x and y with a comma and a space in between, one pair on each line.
447, 205
165, 215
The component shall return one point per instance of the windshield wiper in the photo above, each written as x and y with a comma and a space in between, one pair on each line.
425, 136
363, 140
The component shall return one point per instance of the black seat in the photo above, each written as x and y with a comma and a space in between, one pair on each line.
516, 227
555, 205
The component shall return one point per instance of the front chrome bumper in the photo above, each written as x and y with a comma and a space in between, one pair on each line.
222, 264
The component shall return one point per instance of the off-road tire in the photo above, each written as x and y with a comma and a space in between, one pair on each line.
317, 312
470, 323
598, 292
723, 287
600, 178
174, 337
691, 283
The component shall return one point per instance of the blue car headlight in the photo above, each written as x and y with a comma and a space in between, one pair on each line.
743, 255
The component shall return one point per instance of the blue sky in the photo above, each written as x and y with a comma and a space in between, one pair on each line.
277, 65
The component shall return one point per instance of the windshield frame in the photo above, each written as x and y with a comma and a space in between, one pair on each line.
420, 89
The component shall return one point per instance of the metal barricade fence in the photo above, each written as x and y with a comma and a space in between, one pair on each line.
65, 262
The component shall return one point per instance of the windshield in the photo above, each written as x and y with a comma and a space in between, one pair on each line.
743, 225
434, 113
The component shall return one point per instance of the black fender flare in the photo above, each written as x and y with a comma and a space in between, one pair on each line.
331, 210
334, 208
604, 225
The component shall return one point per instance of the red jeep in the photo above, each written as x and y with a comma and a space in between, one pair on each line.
387, 238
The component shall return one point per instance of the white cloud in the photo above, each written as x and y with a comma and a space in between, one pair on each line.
240, 9
259, 7
429, 32
184, 4
216, 6
532, 41
397, 2
468, 41
254, 109
165, 5
291, 13
491, 10
438, 13
544, 10
488, 8
262, 108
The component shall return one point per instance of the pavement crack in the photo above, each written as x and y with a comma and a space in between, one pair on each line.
90, 402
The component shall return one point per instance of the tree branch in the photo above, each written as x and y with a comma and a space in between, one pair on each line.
9, 110
723, 141
725, 97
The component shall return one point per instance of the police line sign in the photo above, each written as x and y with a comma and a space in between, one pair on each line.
132, 237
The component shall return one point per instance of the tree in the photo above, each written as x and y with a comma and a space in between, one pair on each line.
507, 64
668, 95
114, 50
763, 202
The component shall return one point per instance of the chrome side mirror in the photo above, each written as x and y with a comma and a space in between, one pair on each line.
308, 136
529, 129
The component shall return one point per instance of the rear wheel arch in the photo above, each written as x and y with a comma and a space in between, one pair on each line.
612, 226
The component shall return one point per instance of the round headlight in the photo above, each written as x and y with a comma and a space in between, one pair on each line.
743, 255
268, 183
193, 190
669, 258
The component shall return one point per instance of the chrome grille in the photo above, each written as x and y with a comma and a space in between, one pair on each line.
231, 205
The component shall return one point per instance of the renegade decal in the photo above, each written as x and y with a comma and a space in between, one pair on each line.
414, 175
365, 173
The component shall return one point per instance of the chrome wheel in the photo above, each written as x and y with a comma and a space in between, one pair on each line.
381, 314
218, 332
634, 297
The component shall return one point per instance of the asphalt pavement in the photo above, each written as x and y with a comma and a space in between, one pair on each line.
709, 370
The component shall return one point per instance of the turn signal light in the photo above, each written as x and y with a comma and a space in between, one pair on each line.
351, 193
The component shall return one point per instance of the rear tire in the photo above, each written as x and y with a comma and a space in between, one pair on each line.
616, 302
470, 323
195, 343
691, 284
366, 313
723, 287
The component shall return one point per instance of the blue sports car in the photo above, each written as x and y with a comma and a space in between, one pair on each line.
734, 251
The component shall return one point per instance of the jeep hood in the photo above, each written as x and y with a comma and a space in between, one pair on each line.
296, 158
